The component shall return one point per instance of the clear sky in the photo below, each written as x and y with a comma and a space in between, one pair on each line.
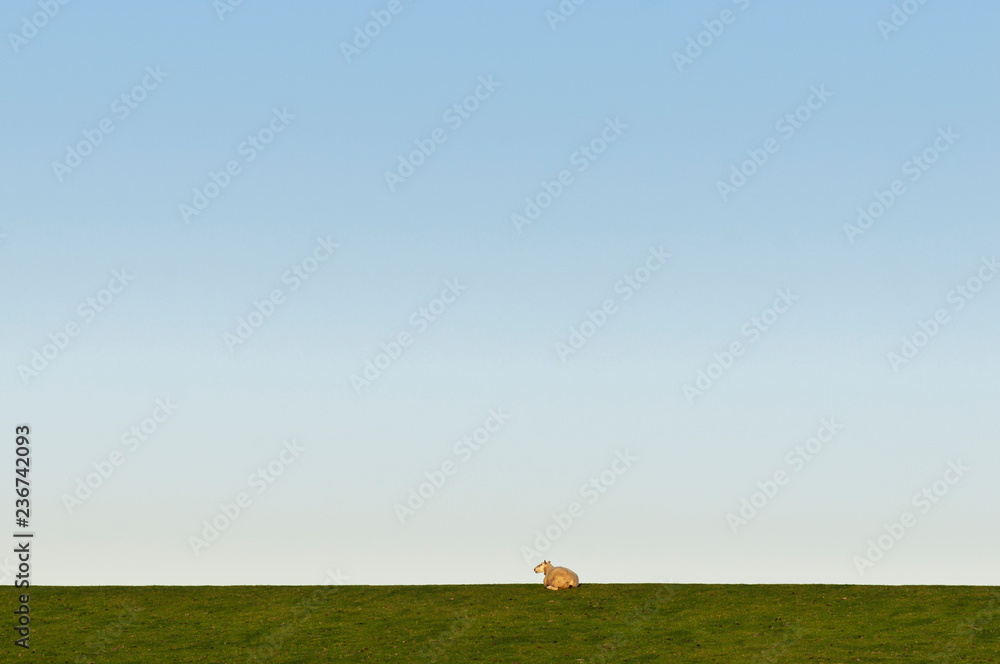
586, 276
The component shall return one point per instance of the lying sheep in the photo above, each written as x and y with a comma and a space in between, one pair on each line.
557, 577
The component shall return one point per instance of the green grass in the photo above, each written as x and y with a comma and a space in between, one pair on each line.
509, 623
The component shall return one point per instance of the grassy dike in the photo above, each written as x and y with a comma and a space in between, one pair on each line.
508, 623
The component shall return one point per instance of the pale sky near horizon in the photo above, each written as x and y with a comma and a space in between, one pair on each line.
587, 281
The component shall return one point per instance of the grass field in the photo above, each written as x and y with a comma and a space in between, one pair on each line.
510, 623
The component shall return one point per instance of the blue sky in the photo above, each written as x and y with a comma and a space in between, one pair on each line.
465, 311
